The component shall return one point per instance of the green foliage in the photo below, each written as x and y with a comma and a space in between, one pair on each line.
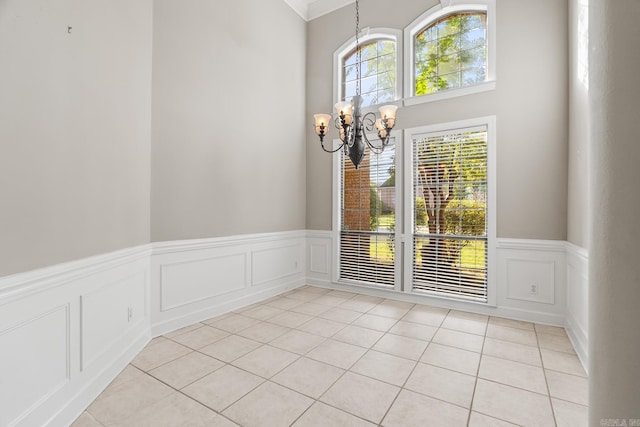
450, 53
465, 217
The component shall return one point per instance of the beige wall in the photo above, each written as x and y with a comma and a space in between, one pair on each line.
228, 152
74, 129
530, 103
578, 191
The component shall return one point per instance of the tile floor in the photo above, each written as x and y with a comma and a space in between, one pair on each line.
315, 357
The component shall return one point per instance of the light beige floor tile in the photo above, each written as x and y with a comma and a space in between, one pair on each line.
368, 298
481, 420
121, 401
315, 289
512, 351
384, 367
501, 321
362, 396
246, 308
466, 322
321, 415
298, 341
290, 319
303, 295
329, 300
234, 323
516, 335
377, 323
262, 312
356, 335
201, 337
337, 353
156, 340
562, 362
342, 294
555, 342
459, 339
263, 332
451, 358
159, 354
569, 414
357, 305
414, 330
86, 420
415, 410
186, 369
268, 405
265, 361
512, 404
322, 327
184, 330
432, 316
443, 384
568, 387
551, 330
397, 345
230, 348
392, 309
511, 373
311, 308
308, 377
284, 303
221, 388
129, 373
340, 315
174, 410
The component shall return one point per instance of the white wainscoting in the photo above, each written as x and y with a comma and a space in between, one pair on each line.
193, 280
521, 264
67, 331
576, 314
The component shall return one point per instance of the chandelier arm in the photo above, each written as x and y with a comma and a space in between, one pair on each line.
331, 151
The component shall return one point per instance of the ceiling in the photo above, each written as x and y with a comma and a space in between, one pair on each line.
311, 9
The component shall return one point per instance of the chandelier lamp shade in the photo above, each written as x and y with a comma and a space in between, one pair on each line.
352, 124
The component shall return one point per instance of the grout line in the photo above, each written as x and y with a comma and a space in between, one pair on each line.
475, 385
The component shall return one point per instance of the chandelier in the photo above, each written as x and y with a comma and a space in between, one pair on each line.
352, 124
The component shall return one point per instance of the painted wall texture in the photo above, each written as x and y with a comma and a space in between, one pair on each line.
75, 123
228, 152
530, 102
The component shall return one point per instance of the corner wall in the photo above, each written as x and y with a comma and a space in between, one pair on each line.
74, 129
228, 154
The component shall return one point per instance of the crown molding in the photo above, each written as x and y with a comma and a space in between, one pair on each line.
312, 9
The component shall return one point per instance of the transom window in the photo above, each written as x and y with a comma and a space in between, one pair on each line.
377, 71
451, 53
379, 67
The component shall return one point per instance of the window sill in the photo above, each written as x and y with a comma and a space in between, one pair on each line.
452, 93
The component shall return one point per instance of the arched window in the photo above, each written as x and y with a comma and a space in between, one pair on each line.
451, 48
379, 74
451, 53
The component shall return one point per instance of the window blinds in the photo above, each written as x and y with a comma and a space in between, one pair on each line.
449, 216
368, 197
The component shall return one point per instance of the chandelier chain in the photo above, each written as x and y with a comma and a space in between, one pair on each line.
358, 53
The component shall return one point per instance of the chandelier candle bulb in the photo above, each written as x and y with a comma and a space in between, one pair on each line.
345, 109
322, 123
388, 112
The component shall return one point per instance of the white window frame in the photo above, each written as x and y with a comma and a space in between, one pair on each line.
368, 35
397, 136
446, 8
407, 236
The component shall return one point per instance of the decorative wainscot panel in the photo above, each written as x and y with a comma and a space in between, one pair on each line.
197, 279
65, 333
531, 279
